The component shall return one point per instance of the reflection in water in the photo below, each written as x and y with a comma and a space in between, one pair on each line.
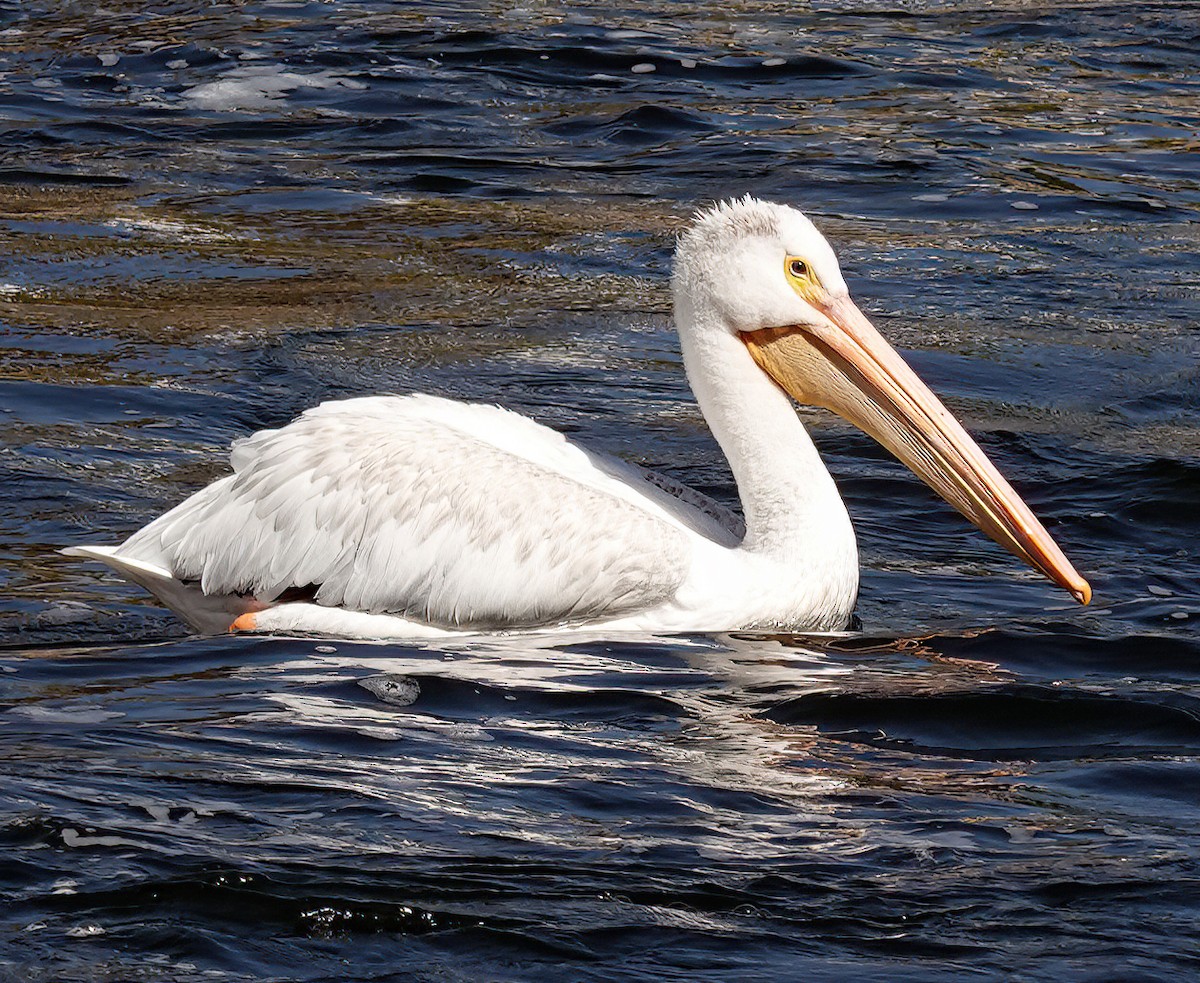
735, 785
215, 216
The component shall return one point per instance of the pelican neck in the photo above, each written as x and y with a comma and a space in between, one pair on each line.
791, 505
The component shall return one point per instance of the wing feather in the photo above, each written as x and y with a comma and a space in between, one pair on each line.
454, 514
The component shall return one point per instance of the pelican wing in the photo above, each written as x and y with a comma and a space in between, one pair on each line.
449, 513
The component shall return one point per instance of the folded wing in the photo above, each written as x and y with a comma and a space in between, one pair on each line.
453, 514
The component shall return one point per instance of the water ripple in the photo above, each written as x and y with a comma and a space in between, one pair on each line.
213, 216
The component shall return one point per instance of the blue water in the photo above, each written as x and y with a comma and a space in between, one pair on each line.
213, 216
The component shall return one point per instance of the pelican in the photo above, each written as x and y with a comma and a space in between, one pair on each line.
416, 516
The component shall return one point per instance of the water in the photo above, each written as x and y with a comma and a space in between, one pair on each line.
215, 215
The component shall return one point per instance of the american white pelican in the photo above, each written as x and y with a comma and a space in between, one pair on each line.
394, 516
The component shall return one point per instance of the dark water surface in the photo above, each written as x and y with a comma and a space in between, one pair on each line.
215, 215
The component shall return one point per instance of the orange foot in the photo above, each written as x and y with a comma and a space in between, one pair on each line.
244, 622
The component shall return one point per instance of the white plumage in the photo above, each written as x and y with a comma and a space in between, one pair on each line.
410, 505
410, 515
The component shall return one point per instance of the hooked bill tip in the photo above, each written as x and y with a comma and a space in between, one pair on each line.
1082, 593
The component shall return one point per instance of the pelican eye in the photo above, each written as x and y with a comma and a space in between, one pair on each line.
798, 268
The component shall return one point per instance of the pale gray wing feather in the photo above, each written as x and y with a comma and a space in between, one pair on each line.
702, 513
449, 513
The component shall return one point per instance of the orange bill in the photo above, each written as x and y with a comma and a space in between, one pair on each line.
845, 365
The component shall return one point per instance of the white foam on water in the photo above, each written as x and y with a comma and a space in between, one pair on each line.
253, 87
169, 229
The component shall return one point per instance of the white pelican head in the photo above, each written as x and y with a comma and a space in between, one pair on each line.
762, 273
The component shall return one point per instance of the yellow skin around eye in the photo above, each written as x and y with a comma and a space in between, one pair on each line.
806, 284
